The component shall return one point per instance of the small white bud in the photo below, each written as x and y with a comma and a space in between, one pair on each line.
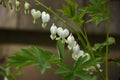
26, 6
17, 5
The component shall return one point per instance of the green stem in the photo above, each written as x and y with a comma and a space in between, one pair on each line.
92, 54
107, 47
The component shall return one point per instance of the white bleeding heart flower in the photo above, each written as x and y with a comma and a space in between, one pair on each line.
77, 55
36, 15
63, 33
26, 6
45, 18
53, 31
71, 42
17, 5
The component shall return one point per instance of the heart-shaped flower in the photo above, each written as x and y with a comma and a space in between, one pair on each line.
36, 15
53, 31
77, 55
63, 33
45, 17
71, 42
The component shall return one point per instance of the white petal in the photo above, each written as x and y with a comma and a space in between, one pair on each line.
60, 31
70, 39
45, 17
65, 33
53, 29
76, 48
71, 45
52, 36
80, 53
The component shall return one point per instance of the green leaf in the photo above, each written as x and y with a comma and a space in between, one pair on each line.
63, 68
80, 62
83, 62
60, 49
69, 10
31, 56
97, 11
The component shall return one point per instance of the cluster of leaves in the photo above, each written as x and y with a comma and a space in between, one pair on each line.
97, 11
71, 11
42, 58
32, 56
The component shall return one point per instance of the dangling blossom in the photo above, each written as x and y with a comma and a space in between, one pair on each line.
17, 5
36, 15
62, 33
71, 41
45, 18
53, 31
77, 52
26, 6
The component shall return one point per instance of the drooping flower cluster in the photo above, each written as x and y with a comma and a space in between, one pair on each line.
58, 33
44, 16
36, 14
64, 34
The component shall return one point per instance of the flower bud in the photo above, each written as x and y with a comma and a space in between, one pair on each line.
26, 6
17, 5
